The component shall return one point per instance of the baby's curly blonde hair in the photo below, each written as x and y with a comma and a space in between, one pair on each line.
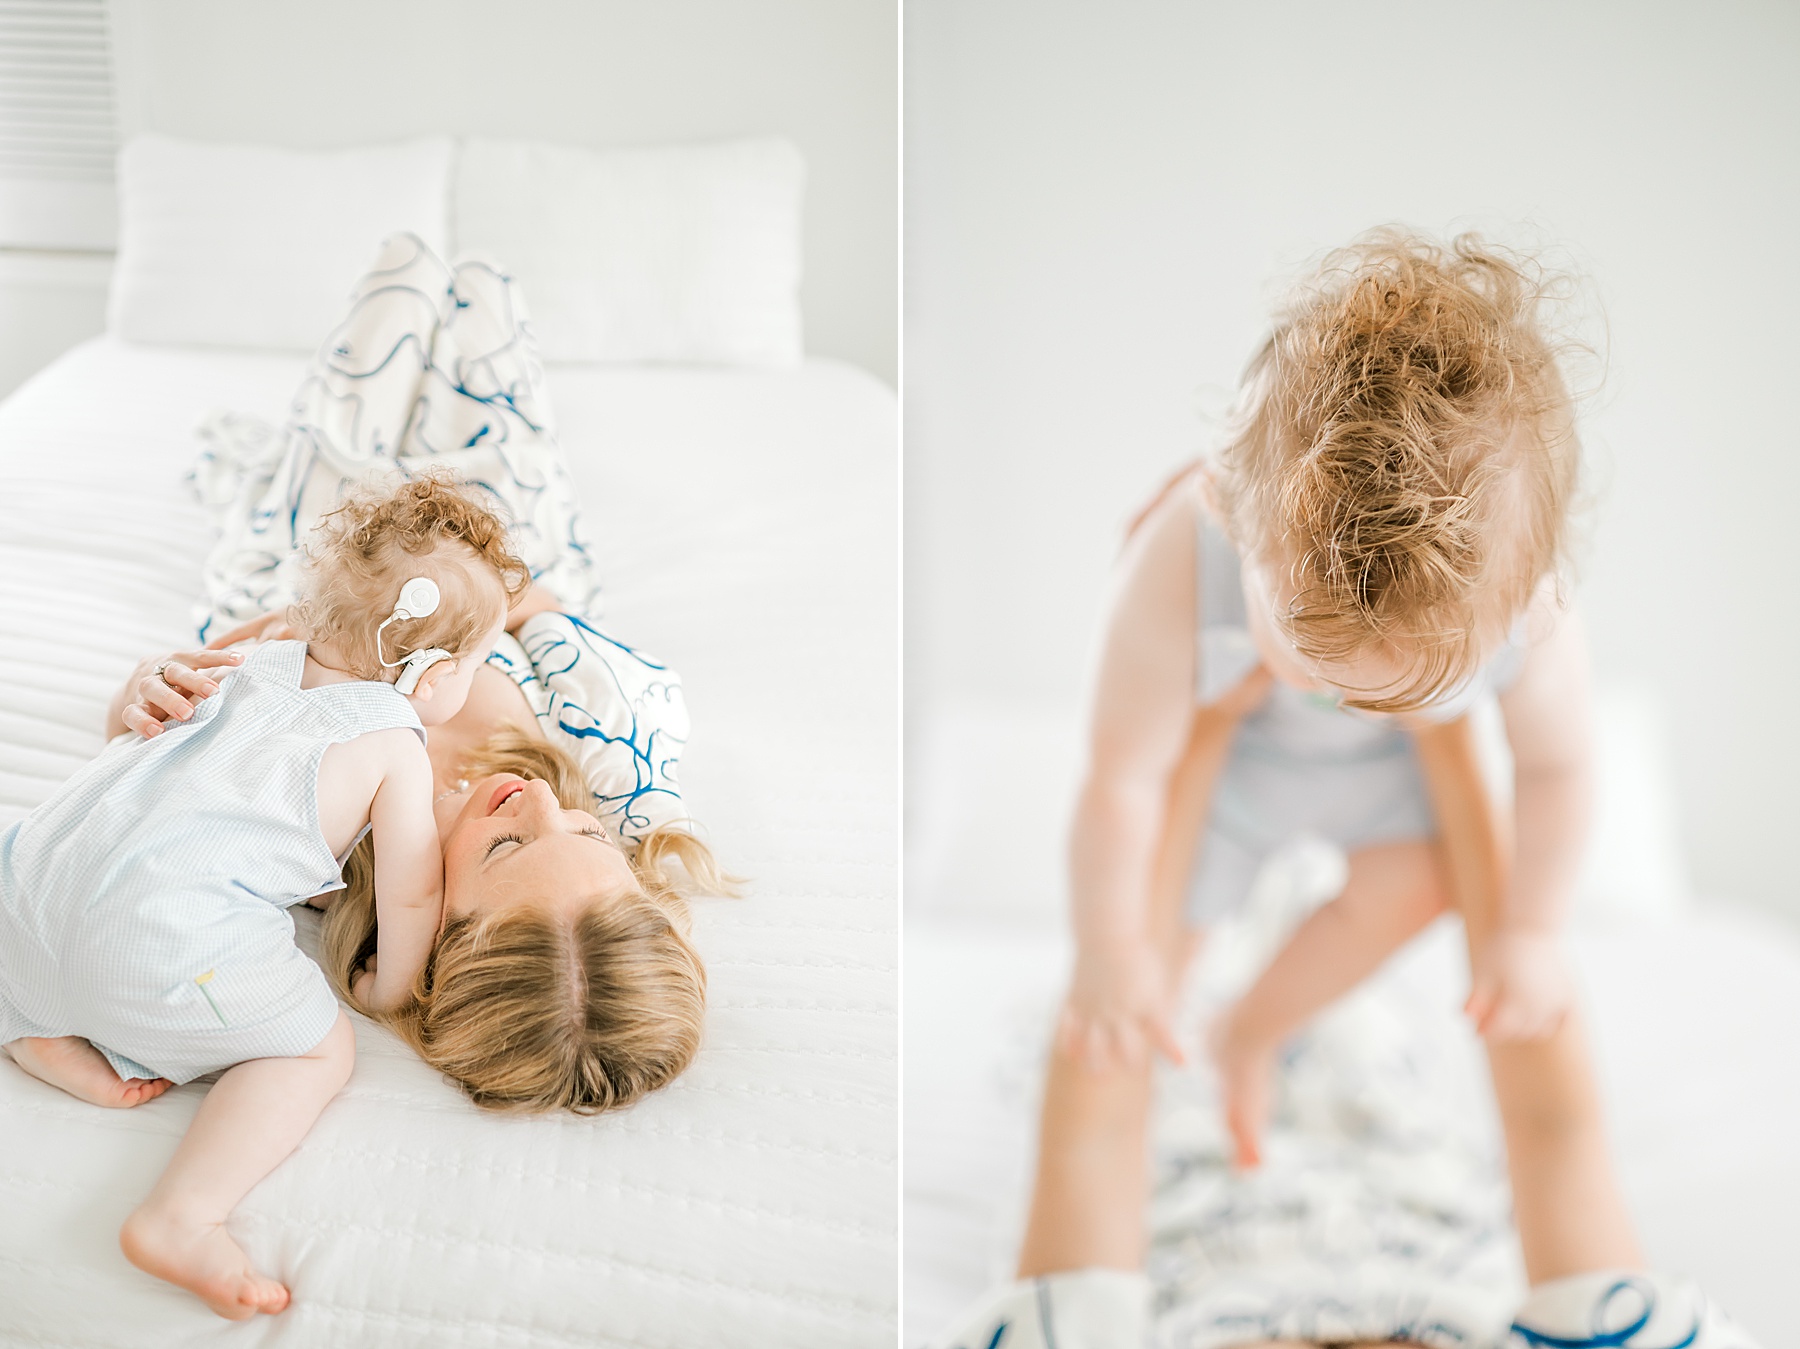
380, 537
1403, 453
532, 1012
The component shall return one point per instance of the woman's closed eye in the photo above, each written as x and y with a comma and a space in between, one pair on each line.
504, 838
515, 838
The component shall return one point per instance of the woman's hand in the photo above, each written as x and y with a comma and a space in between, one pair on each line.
166, 687
1118, 1010
1521, 986
269, 628
362, 988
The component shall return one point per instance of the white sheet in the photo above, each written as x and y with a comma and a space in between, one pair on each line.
746, 531
1697, 1024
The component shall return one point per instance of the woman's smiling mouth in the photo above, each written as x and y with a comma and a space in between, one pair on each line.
503, 793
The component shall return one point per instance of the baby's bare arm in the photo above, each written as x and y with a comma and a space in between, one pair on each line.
409, 876
1549, 723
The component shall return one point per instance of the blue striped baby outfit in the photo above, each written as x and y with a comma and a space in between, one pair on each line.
144, 906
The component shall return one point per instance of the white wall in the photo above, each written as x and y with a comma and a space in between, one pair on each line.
1102, 201
315, 73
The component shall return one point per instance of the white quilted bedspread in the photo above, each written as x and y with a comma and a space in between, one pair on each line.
746, 531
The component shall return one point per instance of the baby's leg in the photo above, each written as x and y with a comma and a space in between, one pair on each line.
71, 1063
254, 1117
1394, 892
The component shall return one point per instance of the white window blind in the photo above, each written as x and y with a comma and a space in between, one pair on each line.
58, 125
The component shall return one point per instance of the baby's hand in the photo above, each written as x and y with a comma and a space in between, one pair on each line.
1521, 986
170, 688
1118, 1007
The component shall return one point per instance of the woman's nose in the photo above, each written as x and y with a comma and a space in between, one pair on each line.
538, 804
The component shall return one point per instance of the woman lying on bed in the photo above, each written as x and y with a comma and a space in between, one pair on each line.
434, 369
520, 942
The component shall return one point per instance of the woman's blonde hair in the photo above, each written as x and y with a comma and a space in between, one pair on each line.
1403, 452
380, 537
529, 1011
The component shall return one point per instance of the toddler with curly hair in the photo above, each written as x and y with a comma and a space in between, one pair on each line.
144, 937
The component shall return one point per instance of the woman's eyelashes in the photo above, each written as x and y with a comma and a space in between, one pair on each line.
504, 838
519, 839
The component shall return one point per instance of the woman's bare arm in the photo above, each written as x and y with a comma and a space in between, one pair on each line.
1142, 725
1511, 875
1549, 724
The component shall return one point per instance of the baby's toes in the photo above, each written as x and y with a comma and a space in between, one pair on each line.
264, 1295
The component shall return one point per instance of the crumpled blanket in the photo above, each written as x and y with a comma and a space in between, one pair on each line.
435, 366
1381, 1210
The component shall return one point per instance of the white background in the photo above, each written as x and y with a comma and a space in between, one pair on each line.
1103, 202
327, 73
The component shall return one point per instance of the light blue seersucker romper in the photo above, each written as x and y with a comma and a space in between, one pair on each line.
1300, 765
144, 906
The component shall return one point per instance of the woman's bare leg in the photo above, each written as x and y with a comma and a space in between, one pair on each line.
1091, 1191
1393, 892
1566, 1198
255, 1115
1093, 1169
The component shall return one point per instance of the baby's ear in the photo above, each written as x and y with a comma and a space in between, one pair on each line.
427, 681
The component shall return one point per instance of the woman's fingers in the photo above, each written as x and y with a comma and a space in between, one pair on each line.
174, 692
1479, 1008
1162, 1035
1126, 1044
207, 658
242, 632
156, 695
179, 675
136, 719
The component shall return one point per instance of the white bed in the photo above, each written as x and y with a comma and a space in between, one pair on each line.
746, 529
1696, 1009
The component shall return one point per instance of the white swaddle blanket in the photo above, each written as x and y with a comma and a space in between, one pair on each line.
434, 367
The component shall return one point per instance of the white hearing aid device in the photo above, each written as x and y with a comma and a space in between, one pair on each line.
418, 599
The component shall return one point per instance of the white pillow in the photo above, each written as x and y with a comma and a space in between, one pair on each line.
252, 246
688, 253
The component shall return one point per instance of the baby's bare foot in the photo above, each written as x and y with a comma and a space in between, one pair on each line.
70, 1062
1246, 1068
202, 1258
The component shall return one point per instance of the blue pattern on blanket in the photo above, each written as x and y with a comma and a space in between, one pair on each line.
619, 712
1624, 1309
1381, 1209
435, 366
